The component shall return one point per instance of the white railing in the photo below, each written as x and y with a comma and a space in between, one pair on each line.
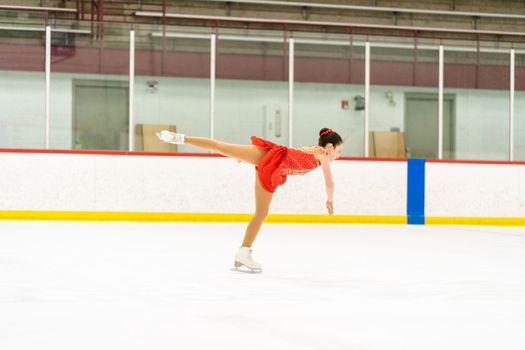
303, 5
324, 24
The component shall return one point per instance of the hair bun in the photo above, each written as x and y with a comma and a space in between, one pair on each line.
324, 131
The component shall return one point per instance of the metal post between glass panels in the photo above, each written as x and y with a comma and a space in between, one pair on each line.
48, 84
440, 103
290, 90
511, 109
131, 88
213, 53
367, 96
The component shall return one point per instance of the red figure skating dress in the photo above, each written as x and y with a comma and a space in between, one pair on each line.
279, 162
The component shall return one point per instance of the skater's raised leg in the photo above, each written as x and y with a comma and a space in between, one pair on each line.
246, 153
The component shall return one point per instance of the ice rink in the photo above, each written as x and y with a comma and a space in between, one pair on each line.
130, 285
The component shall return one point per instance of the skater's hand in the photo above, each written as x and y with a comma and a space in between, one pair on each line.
330, 207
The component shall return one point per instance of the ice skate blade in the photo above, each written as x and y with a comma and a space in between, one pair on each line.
160, 137
163, 139
237, 269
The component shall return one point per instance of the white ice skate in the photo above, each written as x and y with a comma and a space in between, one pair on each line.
171, 137
243, 258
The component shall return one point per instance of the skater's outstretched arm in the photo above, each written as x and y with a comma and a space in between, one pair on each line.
332, 143
324, 158
329, 184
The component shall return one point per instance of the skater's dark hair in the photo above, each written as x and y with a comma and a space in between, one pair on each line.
327, 135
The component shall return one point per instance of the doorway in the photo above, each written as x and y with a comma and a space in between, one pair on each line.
100, 115
421, 125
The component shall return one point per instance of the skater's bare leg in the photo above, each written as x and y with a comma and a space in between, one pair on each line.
246, 153
263, 199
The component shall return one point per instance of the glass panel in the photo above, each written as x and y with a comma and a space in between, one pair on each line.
519, 109
22, 89
328, 90
403, 100
479, 84
172, 86
251, 88
90, 88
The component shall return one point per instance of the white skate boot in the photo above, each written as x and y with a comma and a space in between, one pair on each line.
171, 137
243, 258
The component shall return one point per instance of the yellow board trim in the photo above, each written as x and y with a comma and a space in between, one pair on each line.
442, 220
227, 217
196, 217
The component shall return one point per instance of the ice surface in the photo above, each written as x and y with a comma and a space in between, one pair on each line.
124, 285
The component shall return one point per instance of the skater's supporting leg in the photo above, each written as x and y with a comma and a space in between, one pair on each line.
263, 199
246, 153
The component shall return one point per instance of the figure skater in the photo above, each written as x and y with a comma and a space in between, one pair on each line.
273, 163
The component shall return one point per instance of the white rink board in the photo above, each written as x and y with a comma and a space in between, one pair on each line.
475, 190
92, 182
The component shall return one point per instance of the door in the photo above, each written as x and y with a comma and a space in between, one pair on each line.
100, 115
421, 125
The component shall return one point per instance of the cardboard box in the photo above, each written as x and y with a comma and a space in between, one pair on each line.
386, 144
147, 141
